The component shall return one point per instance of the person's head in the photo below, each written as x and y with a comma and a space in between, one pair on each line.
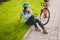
26, 6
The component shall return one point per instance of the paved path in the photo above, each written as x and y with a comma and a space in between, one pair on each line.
53, 26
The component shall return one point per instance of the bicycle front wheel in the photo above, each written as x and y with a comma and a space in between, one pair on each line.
45, 18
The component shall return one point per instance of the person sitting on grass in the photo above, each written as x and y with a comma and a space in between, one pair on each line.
30, 18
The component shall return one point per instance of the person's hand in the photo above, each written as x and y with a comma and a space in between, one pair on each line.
18, 20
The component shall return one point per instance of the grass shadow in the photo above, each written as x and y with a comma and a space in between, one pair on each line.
4, 34
2, 1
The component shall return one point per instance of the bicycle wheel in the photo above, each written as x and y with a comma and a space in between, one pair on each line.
43, 19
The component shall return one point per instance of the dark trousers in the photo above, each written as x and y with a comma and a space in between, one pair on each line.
33, 21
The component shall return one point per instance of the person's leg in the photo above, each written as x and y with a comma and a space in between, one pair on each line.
40, 24
32, 19
36, 27
34, 23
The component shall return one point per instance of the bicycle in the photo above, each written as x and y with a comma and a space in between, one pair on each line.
45, 13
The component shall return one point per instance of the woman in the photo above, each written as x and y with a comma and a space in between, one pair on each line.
30, 19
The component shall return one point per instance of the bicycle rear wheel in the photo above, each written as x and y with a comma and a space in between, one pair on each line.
44, 19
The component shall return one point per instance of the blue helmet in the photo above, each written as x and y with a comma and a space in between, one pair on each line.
26, 5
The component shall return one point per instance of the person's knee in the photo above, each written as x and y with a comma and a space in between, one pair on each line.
37, 19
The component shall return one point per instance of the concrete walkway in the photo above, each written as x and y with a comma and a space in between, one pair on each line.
53, 26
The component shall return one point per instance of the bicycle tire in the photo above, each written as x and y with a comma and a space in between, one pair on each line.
48, 17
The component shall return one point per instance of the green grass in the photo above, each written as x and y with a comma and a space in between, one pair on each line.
10, 28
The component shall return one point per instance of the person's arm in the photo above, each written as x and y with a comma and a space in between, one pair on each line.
19, 18
31, 12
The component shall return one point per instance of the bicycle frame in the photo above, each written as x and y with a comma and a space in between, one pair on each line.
45, 2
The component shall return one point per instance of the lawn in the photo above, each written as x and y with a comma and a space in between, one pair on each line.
10, 28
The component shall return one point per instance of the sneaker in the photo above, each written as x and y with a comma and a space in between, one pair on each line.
37, 29
45, 31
